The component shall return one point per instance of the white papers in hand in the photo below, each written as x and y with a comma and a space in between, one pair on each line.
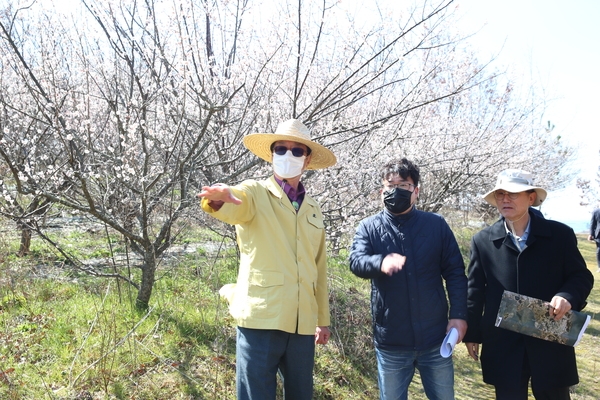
449, 342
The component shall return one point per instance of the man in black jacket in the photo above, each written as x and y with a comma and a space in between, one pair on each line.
536, 257
407, 254
595, 233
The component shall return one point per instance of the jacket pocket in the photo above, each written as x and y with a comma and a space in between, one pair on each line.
265, 294
315, 229
315, 221
266, 278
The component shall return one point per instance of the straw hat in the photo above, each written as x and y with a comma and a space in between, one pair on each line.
294, 130
515, 181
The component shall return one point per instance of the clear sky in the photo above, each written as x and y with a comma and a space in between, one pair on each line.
557, 44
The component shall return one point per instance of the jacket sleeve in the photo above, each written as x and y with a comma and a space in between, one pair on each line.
231, 213
364, 262
475, 296
453, 272
578, 280
322, 294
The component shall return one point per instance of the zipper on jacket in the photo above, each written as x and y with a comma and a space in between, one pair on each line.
401, 241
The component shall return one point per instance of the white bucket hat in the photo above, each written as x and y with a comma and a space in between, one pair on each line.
294, 130
515, 181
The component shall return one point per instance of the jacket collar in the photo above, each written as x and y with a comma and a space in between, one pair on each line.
400, 221
273, 187
538, 227
402, 217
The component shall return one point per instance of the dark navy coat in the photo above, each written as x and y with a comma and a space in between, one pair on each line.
550, 265
595, 226
410, 308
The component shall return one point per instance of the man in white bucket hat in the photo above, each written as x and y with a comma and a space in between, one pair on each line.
280, 301
527, 254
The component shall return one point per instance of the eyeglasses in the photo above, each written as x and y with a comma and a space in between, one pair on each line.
499, 195
406, 186
296, 151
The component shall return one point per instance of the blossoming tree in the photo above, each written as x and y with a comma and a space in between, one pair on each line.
121, 110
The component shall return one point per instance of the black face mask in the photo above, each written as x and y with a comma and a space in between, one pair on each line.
397, 200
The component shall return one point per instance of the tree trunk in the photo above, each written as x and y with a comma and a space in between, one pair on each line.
25, 242
148, 271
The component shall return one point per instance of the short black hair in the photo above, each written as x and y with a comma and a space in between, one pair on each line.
402, 167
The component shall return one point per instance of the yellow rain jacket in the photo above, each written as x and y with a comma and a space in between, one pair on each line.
282, 278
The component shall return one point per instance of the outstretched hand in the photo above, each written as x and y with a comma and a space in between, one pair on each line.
219, 192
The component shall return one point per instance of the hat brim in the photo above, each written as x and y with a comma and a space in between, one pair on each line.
516, 188
260, 145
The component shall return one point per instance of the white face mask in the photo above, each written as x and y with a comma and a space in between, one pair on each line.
287, 166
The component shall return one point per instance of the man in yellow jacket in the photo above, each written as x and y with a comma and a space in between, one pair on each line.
280, 301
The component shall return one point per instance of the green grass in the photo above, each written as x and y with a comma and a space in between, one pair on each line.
68, 336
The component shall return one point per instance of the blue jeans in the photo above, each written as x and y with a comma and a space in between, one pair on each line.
261, 354
396, 370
